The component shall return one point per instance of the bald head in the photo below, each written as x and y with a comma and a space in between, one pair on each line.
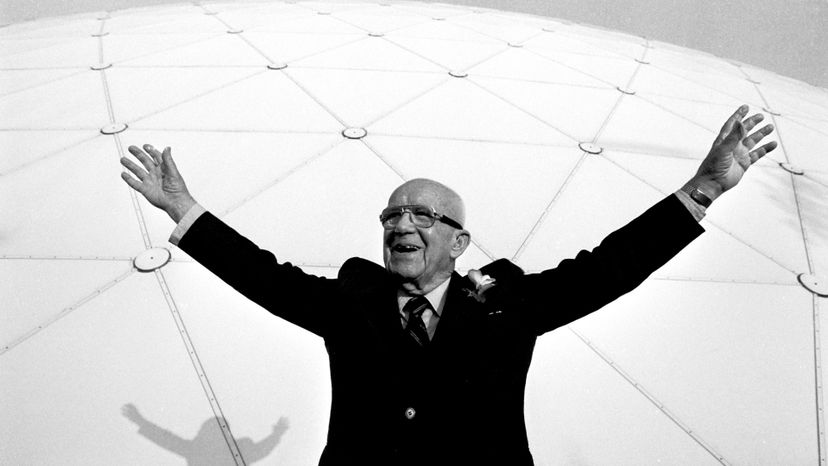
432, 193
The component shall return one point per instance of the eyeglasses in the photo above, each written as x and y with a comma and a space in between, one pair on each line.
421, 216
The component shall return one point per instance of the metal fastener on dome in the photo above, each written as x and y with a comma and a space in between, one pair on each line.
642, 61
100, 66
590, 148
277, 66
813, 283
375, 34
458, 74
625, 90
100, 34
792, 168
235, 31
354, 133
113, 128
151, 259
515, 44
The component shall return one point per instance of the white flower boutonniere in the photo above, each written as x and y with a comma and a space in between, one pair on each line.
482, 283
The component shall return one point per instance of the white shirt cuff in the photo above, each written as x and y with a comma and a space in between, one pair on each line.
697, 210
186, 222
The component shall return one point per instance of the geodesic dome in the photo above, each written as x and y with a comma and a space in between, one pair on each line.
293, 122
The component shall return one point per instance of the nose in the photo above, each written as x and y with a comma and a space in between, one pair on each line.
405, 224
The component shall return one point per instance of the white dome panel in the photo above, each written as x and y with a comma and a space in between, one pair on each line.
765, 201
121, 47
70, 52
805, 142
473, 114
667, 132
50, 107
12, 81
596, 426
451, 55
520, 64
715, 339
584, 199
369, 53
360, 97
70, 283
560, 43
222, 49
226, 330
350, 187
289, 47
104, 355
21, 148
180, 86
253, 103
96, 220
590, 106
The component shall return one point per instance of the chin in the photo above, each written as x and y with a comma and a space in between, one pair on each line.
404, 271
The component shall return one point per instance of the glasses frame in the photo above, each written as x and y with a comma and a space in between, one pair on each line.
407, 209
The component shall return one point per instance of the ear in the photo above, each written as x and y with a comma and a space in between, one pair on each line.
462, 238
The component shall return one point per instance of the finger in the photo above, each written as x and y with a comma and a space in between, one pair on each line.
145, 160
152, 151
752, 121
132, 182
134, 168
168, 164
762, 151
727, 128
757, 136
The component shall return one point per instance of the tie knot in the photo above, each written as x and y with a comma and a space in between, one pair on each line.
416, 306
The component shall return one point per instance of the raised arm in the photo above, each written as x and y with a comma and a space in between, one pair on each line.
626, 257
281, 288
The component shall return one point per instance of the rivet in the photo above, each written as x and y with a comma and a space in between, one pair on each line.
354, 133
113, 128
590, 148
791, 168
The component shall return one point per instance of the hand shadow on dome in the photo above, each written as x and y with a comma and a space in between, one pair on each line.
208, 447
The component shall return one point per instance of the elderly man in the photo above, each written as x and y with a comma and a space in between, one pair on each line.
428, 367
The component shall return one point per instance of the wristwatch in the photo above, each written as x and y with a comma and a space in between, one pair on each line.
698, 196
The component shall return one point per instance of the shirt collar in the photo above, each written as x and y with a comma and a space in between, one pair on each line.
436, 297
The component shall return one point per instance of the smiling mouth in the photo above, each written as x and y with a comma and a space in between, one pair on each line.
404, 248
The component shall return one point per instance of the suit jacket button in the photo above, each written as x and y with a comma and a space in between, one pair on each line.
410, 413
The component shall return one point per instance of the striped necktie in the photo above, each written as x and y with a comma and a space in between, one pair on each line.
415, 327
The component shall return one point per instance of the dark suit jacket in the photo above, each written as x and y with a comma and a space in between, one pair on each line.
465, 390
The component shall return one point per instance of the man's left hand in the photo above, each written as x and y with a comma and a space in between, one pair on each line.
732, 153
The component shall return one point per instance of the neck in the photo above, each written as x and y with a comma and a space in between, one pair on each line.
415, 288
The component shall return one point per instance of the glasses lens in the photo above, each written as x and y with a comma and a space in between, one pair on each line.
422, 216
389, 217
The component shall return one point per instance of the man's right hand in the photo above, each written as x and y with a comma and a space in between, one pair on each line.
158, 181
